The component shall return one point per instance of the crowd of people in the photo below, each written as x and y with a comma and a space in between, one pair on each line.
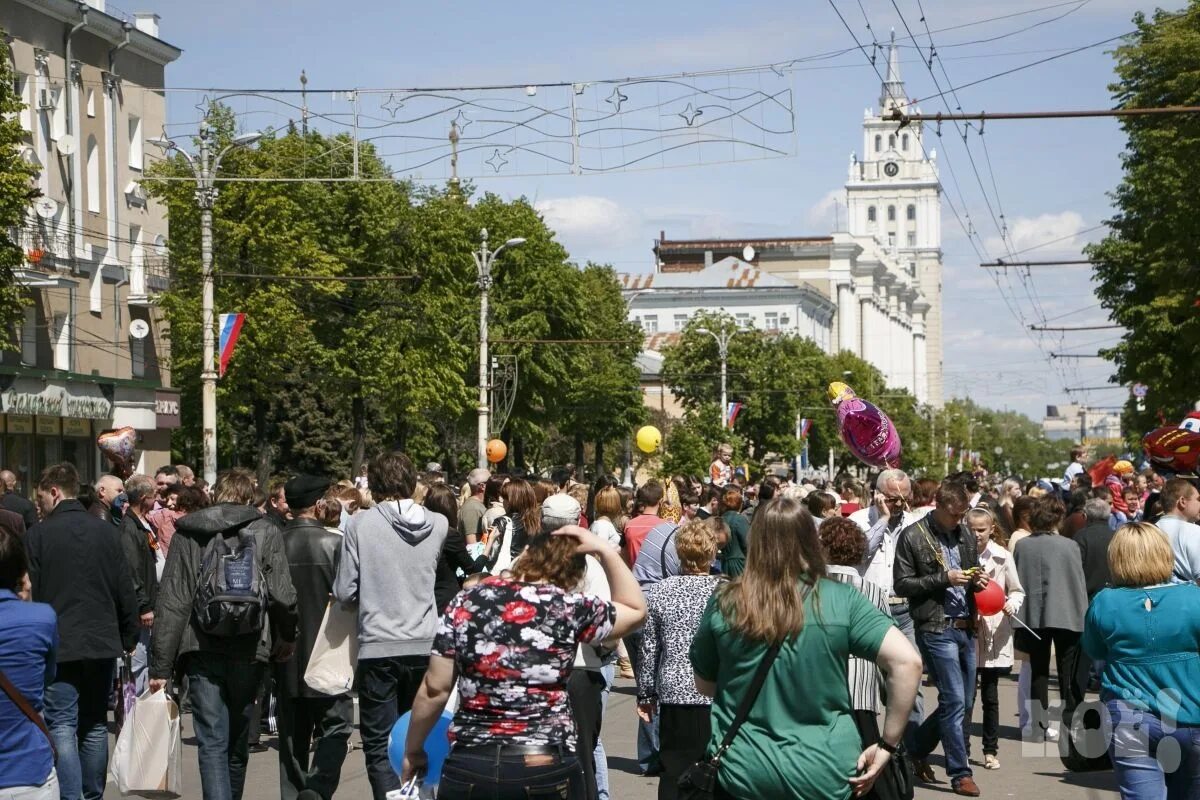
777, 631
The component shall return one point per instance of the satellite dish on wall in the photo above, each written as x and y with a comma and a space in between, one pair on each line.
139, 329
46, 207
66, 144
748, 253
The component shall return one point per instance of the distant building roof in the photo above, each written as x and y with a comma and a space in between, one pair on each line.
729, 273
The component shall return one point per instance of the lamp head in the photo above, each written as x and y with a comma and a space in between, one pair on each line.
163, 143
247, 138
703, 330
515, 242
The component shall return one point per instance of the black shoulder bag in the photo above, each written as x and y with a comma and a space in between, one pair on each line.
699, 781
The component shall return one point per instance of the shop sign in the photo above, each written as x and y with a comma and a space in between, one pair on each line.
77, 427
49, 426
55, 401
20, 423
166, 410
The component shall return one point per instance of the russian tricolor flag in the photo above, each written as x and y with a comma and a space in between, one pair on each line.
805, 427
732, 412
231, 328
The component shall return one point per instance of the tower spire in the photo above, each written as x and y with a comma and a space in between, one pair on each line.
892, 95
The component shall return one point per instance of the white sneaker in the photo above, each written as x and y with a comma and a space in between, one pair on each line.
991, 762
1051, 735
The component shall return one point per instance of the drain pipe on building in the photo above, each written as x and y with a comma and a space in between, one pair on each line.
72, 125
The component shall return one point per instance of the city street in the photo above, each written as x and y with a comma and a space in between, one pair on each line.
1025, 777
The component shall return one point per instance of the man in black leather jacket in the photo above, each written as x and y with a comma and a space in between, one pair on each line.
306, 715
934, 557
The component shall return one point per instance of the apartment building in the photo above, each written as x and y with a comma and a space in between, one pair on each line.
91, 352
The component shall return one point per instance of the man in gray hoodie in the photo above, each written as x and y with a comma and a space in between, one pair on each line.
387, 569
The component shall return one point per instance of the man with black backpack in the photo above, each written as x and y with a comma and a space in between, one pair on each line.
225, 606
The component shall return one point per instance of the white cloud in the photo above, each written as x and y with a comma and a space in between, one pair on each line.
824, 215
587, 220
1051, 234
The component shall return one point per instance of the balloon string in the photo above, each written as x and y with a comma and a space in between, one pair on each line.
1017, 620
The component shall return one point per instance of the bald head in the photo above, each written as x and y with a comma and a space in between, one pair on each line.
8, 480
107, 489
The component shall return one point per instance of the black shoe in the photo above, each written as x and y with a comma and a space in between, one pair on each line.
922, 771
259, 747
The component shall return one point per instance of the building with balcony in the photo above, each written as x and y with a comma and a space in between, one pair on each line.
91, 351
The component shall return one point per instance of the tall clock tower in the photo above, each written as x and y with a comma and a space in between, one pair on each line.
894, 195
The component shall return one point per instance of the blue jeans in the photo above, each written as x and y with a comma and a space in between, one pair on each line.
950, 660
903, 620
76, 711
483, 772
1153, 760
222, 692
647, 736
600, 756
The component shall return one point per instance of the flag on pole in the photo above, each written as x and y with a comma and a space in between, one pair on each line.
805, 427
731, 413
231, 328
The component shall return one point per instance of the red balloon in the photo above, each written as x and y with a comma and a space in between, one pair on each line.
990, 600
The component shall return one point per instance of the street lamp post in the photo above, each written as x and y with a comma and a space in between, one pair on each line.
204, 168
722, 340
483, 262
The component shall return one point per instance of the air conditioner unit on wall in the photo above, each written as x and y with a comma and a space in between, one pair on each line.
47, 98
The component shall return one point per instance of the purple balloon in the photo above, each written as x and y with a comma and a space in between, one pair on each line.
866, 431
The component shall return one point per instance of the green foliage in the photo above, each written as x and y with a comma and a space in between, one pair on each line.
16, 191
1147, 268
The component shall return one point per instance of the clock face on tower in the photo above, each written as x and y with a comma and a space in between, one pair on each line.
891, 168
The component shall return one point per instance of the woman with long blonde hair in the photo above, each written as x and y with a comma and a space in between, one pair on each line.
799, 738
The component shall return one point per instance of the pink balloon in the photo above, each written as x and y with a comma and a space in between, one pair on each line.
990, 600
866, 431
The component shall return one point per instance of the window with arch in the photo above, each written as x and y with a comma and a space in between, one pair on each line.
910, 213
904, 142
870, 213
93, 176
891, 213
891, 141
878, 143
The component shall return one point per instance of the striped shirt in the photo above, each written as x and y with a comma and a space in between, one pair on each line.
658, 557
862, 676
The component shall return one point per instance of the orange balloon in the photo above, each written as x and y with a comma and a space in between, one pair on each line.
496, 451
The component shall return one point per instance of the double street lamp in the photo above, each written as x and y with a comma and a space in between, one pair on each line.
483, 262
722, 339
204, 168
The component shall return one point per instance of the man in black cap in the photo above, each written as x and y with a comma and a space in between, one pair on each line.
306, 715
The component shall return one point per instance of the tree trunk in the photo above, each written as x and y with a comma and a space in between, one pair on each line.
262, 443
599, 460
518, 453
401, 443
578, 463
358, 445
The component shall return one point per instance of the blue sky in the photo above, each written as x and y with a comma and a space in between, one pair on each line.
1051, 177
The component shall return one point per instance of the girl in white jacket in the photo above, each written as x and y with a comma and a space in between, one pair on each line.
995, 632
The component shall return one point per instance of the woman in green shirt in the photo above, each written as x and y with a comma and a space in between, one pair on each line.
733, 556
800, 740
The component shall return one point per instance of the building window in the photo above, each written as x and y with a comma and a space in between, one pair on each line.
904, 142
650, 323
891, 239
58, 114
62, 342
137, 358
21, 85
910, 213
680, 321
912, 239
891, 213
870, 213
878, 143
743, 320
891, 141
93, 176
771, 320
29, 337
135, 142
91, 103
912, 269
137, 262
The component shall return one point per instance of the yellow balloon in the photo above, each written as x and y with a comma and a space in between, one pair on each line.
648, 439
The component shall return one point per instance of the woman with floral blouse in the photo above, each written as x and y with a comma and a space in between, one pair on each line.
510, 644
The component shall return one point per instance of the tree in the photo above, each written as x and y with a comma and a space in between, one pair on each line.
16, 192
1147, 268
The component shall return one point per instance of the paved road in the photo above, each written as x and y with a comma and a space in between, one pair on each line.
1023, 774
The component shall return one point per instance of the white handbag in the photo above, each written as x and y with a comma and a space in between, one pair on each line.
147, 757
335, 653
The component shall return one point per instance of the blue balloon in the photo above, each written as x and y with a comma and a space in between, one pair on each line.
437, 746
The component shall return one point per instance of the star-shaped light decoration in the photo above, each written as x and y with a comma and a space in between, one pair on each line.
690, 113
616, 98
462, 120
392, 105
497, 161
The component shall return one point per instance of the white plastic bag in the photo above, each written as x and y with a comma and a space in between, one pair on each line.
335, 652
147, 757
413, 790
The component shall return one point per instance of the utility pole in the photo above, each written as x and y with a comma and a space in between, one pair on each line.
722, 340
204, 168
483, 262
